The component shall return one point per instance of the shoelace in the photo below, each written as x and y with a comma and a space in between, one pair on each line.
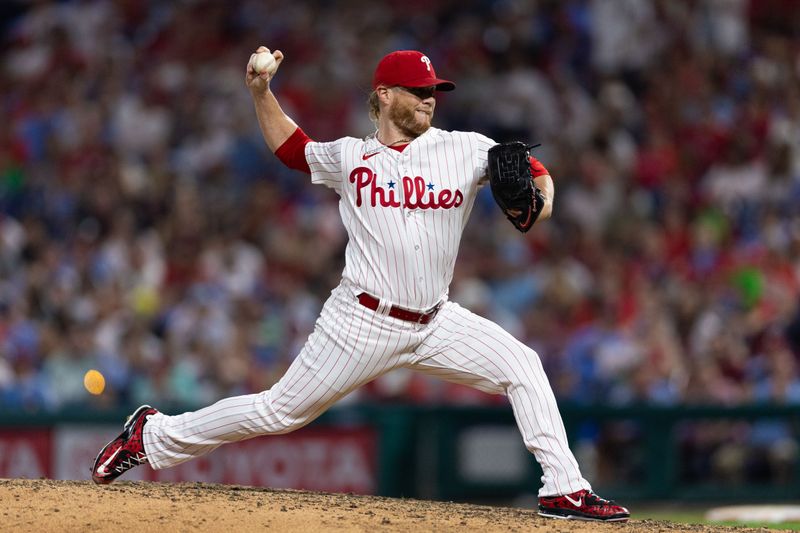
130, 462
593, 499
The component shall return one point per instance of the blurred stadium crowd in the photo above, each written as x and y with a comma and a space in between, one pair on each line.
146, 231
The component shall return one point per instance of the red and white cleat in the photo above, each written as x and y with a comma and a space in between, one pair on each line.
124, 452
582, 505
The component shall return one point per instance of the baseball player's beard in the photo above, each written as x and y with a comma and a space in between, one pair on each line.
405, 118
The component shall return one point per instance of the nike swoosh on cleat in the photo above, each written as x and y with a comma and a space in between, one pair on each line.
101, 470
576, 503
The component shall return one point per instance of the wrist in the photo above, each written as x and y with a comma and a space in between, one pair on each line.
260, 93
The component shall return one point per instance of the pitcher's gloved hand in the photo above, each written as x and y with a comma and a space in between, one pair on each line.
511, 180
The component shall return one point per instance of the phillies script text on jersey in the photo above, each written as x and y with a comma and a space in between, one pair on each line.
414, 190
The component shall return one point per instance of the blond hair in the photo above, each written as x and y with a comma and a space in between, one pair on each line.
374, 107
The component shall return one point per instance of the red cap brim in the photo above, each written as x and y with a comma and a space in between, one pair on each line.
441, 85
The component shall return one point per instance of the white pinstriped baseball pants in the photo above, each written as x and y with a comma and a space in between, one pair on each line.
352, 345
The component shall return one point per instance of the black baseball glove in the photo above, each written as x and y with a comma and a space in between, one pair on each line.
512, 183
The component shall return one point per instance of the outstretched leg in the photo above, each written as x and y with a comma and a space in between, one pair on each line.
350, 346
311, 384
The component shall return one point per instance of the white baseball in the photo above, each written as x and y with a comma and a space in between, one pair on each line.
264, 62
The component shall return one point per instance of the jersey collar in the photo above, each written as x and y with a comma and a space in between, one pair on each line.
431, 133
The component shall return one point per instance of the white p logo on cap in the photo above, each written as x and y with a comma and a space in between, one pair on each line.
427, 62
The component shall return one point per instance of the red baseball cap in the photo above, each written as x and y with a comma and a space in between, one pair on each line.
408, 68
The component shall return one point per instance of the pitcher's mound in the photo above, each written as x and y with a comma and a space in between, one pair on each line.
48, 505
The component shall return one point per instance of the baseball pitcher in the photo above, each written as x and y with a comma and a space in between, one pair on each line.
405, 194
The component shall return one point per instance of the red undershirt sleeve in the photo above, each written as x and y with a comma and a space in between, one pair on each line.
537, 168
292, 152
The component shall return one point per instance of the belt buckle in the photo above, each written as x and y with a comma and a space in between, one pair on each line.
432, 313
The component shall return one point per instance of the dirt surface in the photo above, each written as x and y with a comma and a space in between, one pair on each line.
47, 505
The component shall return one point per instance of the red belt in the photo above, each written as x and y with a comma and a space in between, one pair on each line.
398, 312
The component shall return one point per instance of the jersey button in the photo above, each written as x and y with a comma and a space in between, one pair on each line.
421, 279
416, 247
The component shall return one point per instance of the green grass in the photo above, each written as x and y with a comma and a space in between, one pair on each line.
785, 526
696, 516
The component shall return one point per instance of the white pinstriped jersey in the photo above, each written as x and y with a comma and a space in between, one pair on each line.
404, 212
